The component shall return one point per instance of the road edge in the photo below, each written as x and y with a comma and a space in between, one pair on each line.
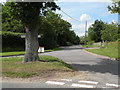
101, 56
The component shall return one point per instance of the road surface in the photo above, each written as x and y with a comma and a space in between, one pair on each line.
100, 70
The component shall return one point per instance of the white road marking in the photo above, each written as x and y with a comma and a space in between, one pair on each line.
112, 85
66, 79
90, 82
54, 82
82, 85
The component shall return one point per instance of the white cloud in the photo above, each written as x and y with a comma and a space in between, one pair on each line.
85, 17
84, 0
80, 28
113, 21
1, 1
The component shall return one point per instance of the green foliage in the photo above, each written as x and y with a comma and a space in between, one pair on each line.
12, 53
55, 49
90, 46
83, 40
56, 31
90, 42
110, 33
48, 39
69, 43
94, 32
29, 12
118, 40
19, 52
9, 23
91, 34
101, 31
115, 8
12, 40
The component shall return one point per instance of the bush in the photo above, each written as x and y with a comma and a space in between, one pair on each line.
69, 43
90, 42
12, 41
118, 40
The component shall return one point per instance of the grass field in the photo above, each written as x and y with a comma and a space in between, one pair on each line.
23, 52
110, 50
12, 67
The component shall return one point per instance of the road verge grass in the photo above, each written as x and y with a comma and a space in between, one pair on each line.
90, 46
110, 50
12, 67
55, 49
12, 53
23, 52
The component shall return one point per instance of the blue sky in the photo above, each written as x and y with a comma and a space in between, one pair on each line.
83, 10
86, 10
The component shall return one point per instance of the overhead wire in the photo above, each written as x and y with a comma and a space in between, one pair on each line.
69, 16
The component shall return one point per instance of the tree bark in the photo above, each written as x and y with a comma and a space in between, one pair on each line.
31, 43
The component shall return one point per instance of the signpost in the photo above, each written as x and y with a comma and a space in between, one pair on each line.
41, 49
23, 36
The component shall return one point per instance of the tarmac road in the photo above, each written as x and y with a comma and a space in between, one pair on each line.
99, 69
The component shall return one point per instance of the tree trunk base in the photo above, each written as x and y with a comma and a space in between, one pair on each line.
31, 42
30, 58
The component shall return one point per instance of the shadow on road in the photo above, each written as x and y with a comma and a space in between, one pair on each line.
105, 66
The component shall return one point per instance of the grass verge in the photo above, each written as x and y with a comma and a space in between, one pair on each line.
12, 67
110, 50
89, 46
23, 52
55, 49
12, 53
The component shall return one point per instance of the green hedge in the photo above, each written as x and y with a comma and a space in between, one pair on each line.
12, 41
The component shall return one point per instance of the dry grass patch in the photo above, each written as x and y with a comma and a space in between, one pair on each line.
12, 67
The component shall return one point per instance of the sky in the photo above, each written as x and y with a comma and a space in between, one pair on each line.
85, 10
80, 11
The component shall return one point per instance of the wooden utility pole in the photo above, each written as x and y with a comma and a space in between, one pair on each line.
85, 28
85, 32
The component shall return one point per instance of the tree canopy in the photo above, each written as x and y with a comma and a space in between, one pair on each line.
101, 31
94, 32
29, 15
29, 12
115, 8
110, 32
54, 31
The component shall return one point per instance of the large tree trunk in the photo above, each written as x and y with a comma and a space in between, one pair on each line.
31, 42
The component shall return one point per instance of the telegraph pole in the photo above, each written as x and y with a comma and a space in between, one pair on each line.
85, 31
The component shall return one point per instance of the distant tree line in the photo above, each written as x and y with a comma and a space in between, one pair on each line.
100, 31
56, 31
